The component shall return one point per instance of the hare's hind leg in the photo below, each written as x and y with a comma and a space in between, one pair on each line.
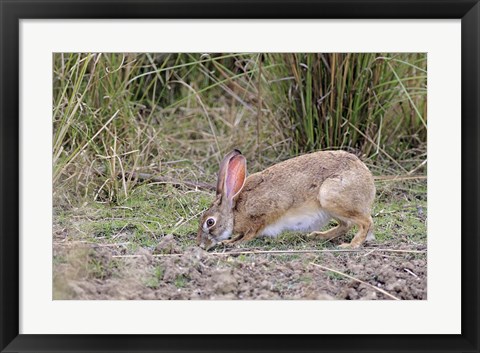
345, 202
365, 228
342, 228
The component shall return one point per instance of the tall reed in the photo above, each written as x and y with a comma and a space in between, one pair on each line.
355, 101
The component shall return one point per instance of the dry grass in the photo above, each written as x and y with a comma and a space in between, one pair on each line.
175, 115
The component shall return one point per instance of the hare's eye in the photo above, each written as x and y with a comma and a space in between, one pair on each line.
210, 222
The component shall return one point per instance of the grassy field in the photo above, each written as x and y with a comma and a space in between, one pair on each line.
137, 142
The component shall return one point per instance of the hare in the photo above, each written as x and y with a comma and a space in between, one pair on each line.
300, 194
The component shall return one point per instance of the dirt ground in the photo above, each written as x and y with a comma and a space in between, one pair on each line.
169, 272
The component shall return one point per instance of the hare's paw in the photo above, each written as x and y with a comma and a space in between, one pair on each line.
315, 234
229, 243
351, 245
232, 241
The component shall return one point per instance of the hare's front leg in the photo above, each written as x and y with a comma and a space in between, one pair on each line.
240, 238
233, 240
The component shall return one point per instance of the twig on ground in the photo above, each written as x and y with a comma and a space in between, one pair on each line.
355, 279
73, 243
408, 271
278, 252
370, 252
120, 231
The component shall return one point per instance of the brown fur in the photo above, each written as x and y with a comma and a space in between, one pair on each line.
334, 181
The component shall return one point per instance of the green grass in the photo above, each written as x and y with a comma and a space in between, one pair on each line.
156, 278
306, 279
402, 215
180, 281
141, 221
334, 276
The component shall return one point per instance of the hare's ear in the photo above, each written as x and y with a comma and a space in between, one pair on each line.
235, 178
223, 171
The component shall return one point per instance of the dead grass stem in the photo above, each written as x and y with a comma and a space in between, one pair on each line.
279, 252
355, 279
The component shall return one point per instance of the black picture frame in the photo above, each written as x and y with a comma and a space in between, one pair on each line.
468, 11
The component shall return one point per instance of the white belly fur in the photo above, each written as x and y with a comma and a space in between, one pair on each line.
309, 217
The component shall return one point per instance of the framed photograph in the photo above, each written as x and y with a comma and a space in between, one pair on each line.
236, 176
